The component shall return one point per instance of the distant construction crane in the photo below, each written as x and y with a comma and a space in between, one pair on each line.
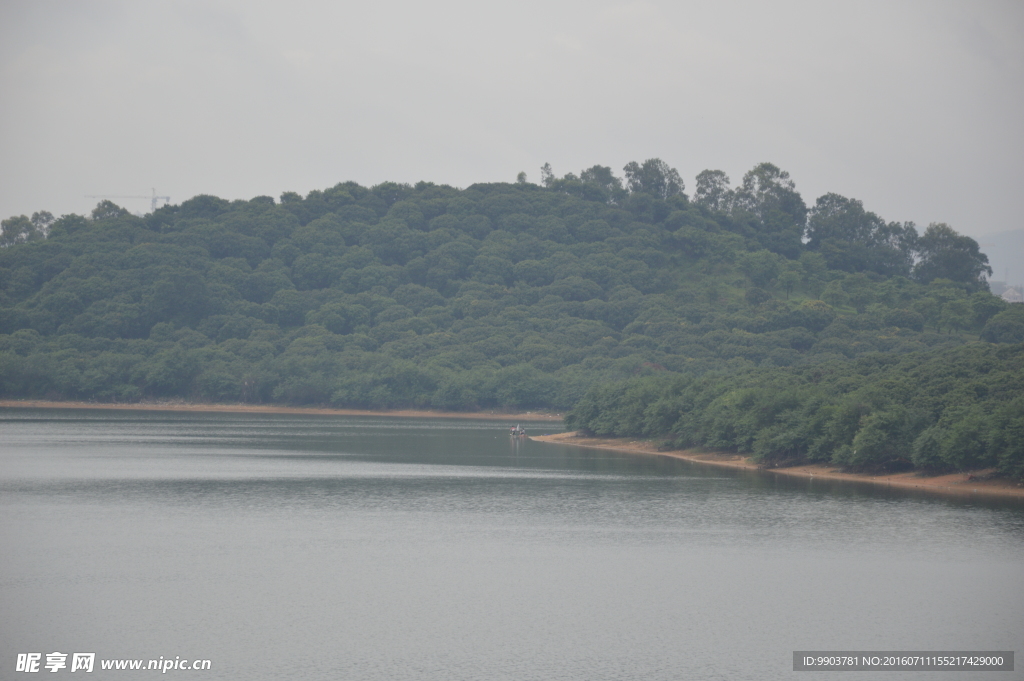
153, 199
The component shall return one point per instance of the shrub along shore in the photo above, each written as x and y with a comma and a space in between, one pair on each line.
943, 411
974, 483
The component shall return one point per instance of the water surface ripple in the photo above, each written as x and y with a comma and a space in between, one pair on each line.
323, 547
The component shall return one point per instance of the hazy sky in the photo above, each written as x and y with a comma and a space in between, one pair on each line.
916, 108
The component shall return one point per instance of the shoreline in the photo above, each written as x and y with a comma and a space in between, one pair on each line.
275, 409
953, 484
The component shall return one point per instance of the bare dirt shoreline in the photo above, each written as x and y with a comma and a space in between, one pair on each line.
958, 484
273, 409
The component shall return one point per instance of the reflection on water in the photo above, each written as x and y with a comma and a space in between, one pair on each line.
384, 548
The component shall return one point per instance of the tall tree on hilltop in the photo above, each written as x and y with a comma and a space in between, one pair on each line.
854, 240
946, 254
17, 230
773, 207
713, 190
768, 192
107, 209
653, 177
603, 177
547, 176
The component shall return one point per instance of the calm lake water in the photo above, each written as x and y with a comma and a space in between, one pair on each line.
315, 547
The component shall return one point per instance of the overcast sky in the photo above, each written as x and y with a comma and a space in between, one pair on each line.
913, 107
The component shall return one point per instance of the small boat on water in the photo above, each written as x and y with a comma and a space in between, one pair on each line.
517, 432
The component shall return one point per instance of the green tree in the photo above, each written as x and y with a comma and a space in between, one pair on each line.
905, 319
930, 310
834, 295
547, 176
956, 314
946, 254
788, 280
653, 177
860, 290
42, 220
713, 190
984, 305
170, 372
884, 440
762, 267
1005, 327
853, 240
19, 230
602, 177
769, 199
108, 210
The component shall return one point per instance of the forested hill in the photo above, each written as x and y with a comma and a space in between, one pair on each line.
511, 295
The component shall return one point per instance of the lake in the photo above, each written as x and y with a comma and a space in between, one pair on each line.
325, 547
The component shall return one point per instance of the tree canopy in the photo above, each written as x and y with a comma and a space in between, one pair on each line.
949, 410
499, 295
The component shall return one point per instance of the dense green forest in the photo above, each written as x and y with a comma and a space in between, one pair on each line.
946, 410
505, 295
